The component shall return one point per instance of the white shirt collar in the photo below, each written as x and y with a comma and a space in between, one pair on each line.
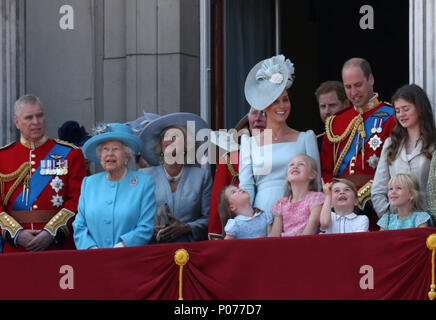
33, 145
349, 216
245, 218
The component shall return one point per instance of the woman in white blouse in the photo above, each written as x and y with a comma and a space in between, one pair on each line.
410, 146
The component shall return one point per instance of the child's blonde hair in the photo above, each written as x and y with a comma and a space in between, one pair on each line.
313, 185
412, 184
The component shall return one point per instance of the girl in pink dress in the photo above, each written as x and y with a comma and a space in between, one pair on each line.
298, 212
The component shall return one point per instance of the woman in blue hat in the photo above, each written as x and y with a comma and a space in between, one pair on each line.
264, 158
183, 189
137, 126
116, 207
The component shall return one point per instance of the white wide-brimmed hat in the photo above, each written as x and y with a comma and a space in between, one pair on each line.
267, 80
151, 133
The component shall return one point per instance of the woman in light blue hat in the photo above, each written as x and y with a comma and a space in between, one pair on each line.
137, 126
116, 207
183, 189
264, 158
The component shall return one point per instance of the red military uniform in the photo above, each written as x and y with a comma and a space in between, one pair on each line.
342, 154
39, 195
226, 173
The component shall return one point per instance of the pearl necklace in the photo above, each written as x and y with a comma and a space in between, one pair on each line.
171, 178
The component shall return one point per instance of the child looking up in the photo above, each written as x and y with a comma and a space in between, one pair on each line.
240, 218
404, 197
341, 195
297, 213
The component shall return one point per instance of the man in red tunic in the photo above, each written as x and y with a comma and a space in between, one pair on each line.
355, 136
40, 182
227, 168
331, 99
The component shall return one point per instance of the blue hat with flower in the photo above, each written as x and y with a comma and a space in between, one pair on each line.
110, 132
139, 124
151, 133
267, 80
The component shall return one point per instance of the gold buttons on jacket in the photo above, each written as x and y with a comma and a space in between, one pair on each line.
33, 155
32, 163
35, 206
33, 169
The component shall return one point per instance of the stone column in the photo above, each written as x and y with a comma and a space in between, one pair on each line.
150, 58
12, 64
422, 46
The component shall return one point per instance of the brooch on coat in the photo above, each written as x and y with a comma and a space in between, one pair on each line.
134, 181
373, 161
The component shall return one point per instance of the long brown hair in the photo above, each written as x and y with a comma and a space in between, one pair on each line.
417, 96
224, 207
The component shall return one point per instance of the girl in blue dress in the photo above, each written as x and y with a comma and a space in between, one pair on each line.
404, 196
240, 218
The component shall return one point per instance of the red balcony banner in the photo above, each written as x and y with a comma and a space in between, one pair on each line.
372, 265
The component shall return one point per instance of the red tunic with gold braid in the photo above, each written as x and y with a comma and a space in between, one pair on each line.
55, 207
226, 173
341, 158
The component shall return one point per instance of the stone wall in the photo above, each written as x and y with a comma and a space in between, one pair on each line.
122, 58
11, 64
422, 46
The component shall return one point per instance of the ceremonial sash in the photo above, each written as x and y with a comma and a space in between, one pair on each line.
368, 126
38, 182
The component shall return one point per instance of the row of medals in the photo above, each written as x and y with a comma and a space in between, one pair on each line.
54, 167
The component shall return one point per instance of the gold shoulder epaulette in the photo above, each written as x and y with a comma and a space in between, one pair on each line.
7, 146
364, 194
68, 144
320, 135
388, 103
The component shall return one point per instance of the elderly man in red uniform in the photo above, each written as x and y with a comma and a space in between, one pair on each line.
355, 136
227, 167
40, 184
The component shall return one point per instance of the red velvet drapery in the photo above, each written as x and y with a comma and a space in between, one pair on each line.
307, 267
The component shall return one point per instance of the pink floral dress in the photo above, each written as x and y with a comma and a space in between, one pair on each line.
296, 215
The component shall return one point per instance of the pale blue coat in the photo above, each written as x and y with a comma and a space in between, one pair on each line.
191, 201
114, 211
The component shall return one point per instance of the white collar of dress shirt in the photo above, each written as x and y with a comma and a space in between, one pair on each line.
33, 144
246, 218
349, 216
